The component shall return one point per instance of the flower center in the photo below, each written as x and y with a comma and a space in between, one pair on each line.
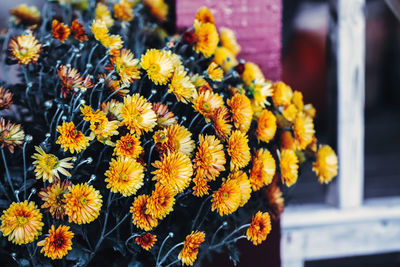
155, 67
50, 161
82, 200
22, 221
226, 195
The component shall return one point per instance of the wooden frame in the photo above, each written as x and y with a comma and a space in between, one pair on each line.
347, 225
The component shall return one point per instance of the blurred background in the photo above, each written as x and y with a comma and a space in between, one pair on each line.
302, 63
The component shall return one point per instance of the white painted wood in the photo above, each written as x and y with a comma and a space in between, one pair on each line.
312, 232
348, 39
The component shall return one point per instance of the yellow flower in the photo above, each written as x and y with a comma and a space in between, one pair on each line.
100, 30
102, 13
290, 112
266, 126
227, 198
181, 86
175, 138
220, 119
282, 94
224, 58
164, 116
259, 228
123, 11
260, 90
210, 158
206, 38
83, 203
242, 112
228, 40
309, 110
207, 102
158, 8
174, 170
251, 73
47, 166
125, 176
204, 15
303, 130
25, 48
53, 198
70, 138
127, 66
112, 109
11, 135
239, 150
112, 42
326, 164
140, 218
289, 167
161, 201
60, 31
214, 72
188, 254
159, 66
28, 15
21, 222
146, 240
128, 146
57, 244
263, 170
138, 115
297, 100
243, 181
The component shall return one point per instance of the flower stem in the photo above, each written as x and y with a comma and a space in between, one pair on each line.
6, 169
162, 245
169, 252
200, 209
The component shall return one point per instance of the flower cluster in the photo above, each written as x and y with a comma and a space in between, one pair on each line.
155, 137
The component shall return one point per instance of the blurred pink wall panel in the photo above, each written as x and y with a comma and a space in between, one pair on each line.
257, 24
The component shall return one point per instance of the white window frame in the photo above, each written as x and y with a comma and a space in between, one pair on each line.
347, 225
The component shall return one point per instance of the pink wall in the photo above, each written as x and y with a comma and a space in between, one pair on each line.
257, 24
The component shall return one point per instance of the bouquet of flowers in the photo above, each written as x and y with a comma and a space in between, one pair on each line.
122, 144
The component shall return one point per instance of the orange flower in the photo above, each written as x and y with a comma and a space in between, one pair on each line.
207, 38
123, 11
282, 94
243, 181
158, 8
201, 187
28, 15
326, 164
140, 218
287, 140
175, 138
83, 203
263, 169
204, 15
239, 150
289, 167
221, 126
60, 31
303, 130
227, 198
127, 66
242, 112
125, 176
266, 126
174, 170
70, 138
137, 114
128, 146
71, 79
188, 254
210, 158
5, 98
207, 102
79, 31
259, 228
21, 222
146, 240
53, 198
161, 201
276, 202
58, 242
